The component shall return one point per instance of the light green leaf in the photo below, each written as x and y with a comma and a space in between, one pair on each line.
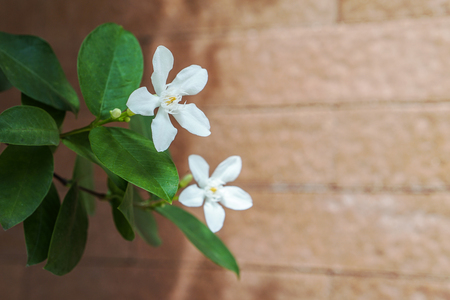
200, 236
25, 177
69, 236
57, 115
30, 65
4, 83
83, 174
28, 125
79, 143
135, 159
38, 227
123, 213
110, 68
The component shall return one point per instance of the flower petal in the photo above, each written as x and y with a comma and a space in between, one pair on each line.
192, 196
141, 102
163, 132
214, 215
191, 118
199, 168
162, 64
228, 170
235, 198
190, 80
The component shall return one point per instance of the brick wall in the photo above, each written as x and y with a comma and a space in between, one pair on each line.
341, 113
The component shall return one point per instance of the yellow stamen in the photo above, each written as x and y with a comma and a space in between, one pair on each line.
213, 189
171, 100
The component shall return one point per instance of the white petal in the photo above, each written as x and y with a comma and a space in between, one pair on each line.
190, 80
214, 215
163, 132
141, 102
191, 118
199, 168
228, 170
235, 198
162, 64
192, 196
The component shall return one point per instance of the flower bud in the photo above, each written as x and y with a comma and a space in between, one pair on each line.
130, 113
126, 119
115, 113
186, 180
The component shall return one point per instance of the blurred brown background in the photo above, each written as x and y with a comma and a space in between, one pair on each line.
341, 113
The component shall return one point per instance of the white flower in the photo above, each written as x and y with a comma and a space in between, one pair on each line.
190, 81
211, 190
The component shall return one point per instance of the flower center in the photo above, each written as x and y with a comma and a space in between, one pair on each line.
212, 192
170, 103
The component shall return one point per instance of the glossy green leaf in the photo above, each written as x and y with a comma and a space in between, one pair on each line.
147, 227
135, 159
28, 125
122, 210
200, 236
38, 227
69, 236
30, 65
25, 177
57, 115
110, 68
4, 83
83, 174
79, 143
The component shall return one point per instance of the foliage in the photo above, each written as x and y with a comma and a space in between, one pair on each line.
110, 68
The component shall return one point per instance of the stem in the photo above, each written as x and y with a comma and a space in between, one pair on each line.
97, 122
66, 182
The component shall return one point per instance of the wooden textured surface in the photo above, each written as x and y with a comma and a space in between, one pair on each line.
341, 113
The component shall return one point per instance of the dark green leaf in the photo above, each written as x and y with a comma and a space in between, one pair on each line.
200, 236
135, 159
25, 177
79, 143
31, 66
4, 83
83, 174
69, 236
142, 125
123, 214
110, 68
28, 125
146, 227
38, 227
57, 115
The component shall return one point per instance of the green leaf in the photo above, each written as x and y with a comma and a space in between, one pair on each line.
83, 174
69, 236
79, 143
4, 83
25, 177
110, 68
135, 159
123, 213
57, 115
28, 125
146, 227
31, 66
38, 227
200, 236
145, 223
142, 125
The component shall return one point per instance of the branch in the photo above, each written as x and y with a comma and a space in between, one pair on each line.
66, 182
